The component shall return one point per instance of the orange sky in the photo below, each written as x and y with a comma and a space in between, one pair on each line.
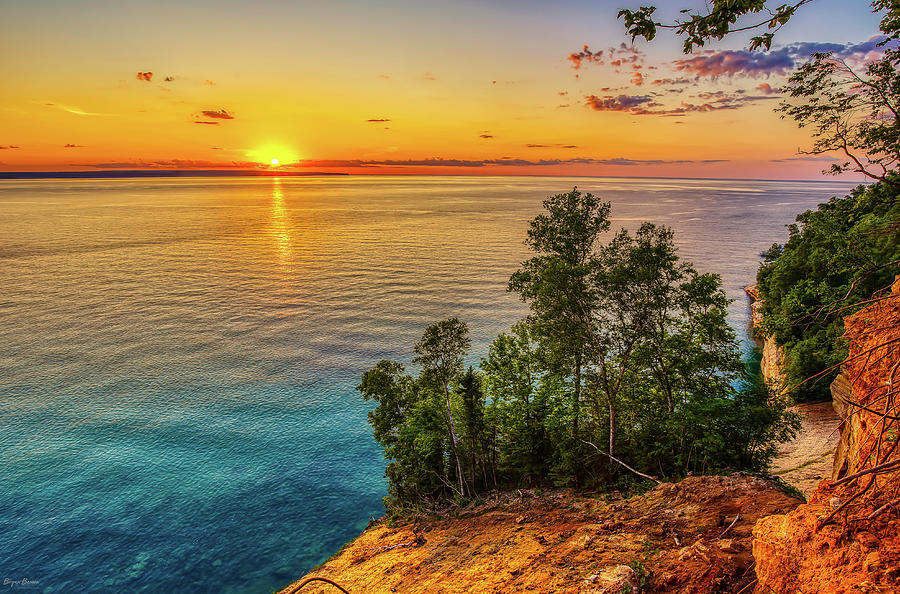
497, 87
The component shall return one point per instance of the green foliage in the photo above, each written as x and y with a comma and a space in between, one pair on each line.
836, 256
718, 20
850, 113
626, 346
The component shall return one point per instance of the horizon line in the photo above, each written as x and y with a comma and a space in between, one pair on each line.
139, 173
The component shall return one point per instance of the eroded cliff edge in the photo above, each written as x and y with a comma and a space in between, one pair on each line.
690, 537
847, 537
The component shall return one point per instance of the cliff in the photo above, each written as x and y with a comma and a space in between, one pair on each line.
690, 537
847, 537
772, 362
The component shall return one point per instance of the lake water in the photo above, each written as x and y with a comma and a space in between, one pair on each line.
178, 356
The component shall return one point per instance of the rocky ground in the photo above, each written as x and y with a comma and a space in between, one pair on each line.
693, 536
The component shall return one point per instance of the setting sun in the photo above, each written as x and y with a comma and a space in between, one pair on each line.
274, 162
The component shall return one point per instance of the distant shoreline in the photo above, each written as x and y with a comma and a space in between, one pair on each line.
163, 173
127, 173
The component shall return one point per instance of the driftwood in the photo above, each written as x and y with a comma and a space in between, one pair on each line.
418, 541
736, 519
317, 579
614, 459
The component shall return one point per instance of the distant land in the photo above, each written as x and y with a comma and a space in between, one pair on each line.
117, 173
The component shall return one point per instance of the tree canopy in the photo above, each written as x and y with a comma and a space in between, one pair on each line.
625, 367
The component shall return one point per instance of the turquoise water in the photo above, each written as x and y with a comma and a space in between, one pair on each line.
178, 357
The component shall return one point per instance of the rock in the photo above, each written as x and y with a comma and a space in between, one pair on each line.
727, 545
616, 579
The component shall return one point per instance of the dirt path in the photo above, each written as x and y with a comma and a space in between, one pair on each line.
807, 459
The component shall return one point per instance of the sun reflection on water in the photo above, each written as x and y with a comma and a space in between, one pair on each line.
281, 228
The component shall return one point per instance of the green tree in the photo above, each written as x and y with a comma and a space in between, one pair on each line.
473, 426
836, 256
721, 18
513, 377
851, 113
408, 423
440, 353
556, 282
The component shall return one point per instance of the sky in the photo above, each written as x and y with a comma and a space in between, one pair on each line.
411, 87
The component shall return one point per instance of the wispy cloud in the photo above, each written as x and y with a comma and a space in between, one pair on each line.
8, 146
71, 109
647, 105
809, 158
73, 146
565, 146
618, 103
485, 136
218, 114
176, 164
618, 57
206, 122
506, 161
377, 120
144, 76
780, 61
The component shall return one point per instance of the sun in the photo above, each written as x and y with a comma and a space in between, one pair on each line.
273, 155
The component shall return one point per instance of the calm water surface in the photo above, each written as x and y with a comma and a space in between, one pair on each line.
178, 357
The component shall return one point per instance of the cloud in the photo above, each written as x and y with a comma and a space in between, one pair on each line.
585, 55
647, 105
144, 76
767, 89
618, 103
618, 57
780, 61
218, 114
638, 79
176, 164
8, 146
376, 120
672, 81
73, 146
811, 158
71, 109
485, 136
169, 79
209, 82
205, 122
505, 161
429, 76
565, 146
737, 63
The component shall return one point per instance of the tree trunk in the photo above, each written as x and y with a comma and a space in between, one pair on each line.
576, 400
459, 472
612, 428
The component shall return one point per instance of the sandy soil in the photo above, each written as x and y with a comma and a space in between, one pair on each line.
807, 459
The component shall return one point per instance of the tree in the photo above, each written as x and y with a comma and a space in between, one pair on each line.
556, 282
440, 353
514, 377
407, 423
721, 18
851, 113
473, 413
837, 255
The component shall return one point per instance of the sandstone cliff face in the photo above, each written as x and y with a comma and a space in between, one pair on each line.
847, 538
772, 362
676, 538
